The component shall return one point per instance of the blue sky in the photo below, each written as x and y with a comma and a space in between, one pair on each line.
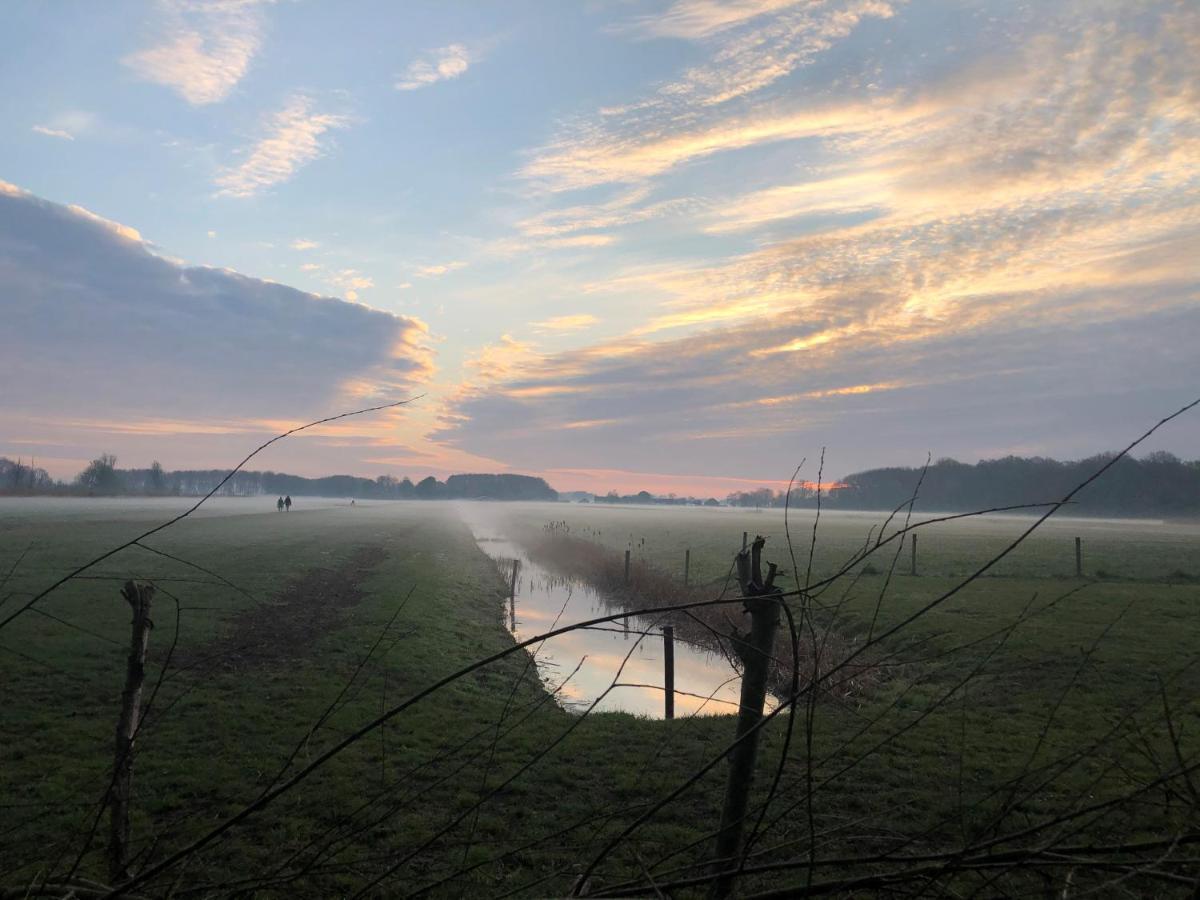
678, 244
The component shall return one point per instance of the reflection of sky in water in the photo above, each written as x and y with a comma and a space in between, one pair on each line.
543, 598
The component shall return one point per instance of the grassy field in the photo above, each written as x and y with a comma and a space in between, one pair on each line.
1004, 679
1113, 549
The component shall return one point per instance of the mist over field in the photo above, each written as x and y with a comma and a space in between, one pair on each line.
677, 448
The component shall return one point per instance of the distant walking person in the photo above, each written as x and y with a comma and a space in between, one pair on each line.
279, 504
287, 502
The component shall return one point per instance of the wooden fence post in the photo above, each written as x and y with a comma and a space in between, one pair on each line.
669, 671
687, 564
512, 597
1078, 557
756, 650
913, 567
138, 596
745, 535
626, 620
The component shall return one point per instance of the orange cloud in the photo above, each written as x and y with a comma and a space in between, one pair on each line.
565, 324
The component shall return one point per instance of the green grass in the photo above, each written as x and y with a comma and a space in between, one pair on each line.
931, 756
1136, 550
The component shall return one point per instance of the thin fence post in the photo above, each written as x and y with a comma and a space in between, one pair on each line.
745, 536
512, 597
756, 650
1078, 557
687, 565
913, 566
625, 621
138, 596
668, 672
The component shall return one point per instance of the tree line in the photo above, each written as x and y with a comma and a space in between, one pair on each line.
101, 477
647, 497
1160, 484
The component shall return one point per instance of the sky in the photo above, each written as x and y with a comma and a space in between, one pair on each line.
678, 245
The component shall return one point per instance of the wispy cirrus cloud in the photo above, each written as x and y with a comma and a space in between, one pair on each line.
293, 138
1022, 223
203, 49
696, 19
68, 125
574, 163
593, 223
581, 240
566, 324
771, 48
437, 65
754, 44
61, 133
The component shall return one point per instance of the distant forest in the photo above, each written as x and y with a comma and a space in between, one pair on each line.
102, 477
1159, 484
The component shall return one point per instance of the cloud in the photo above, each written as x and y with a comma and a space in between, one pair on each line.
437, 65
751, 46
54, 132
304, 244
122, 231
756, 57
591, 224
292, 140
566, 324
500, 360
439, 269
574, 163
695, 19
581, 240
204, 48
1000, 255
955, 393
350, 281
102, 329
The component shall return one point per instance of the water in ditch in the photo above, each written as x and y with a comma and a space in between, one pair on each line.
582, 664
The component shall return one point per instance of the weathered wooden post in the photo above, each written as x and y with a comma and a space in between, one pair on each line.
687, 564
669, 671
745, 535
626, 567
138, 596
755, 649
512, 597
913, 566
1078, 557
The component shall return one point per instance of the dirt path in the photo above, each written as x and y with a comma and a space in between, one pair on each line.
288, 627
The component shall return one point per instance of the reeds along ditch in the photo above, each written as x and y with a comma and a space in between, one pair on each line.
823, 650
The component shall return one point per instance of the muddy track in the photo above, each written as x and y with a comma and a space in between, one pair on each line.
290, 625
